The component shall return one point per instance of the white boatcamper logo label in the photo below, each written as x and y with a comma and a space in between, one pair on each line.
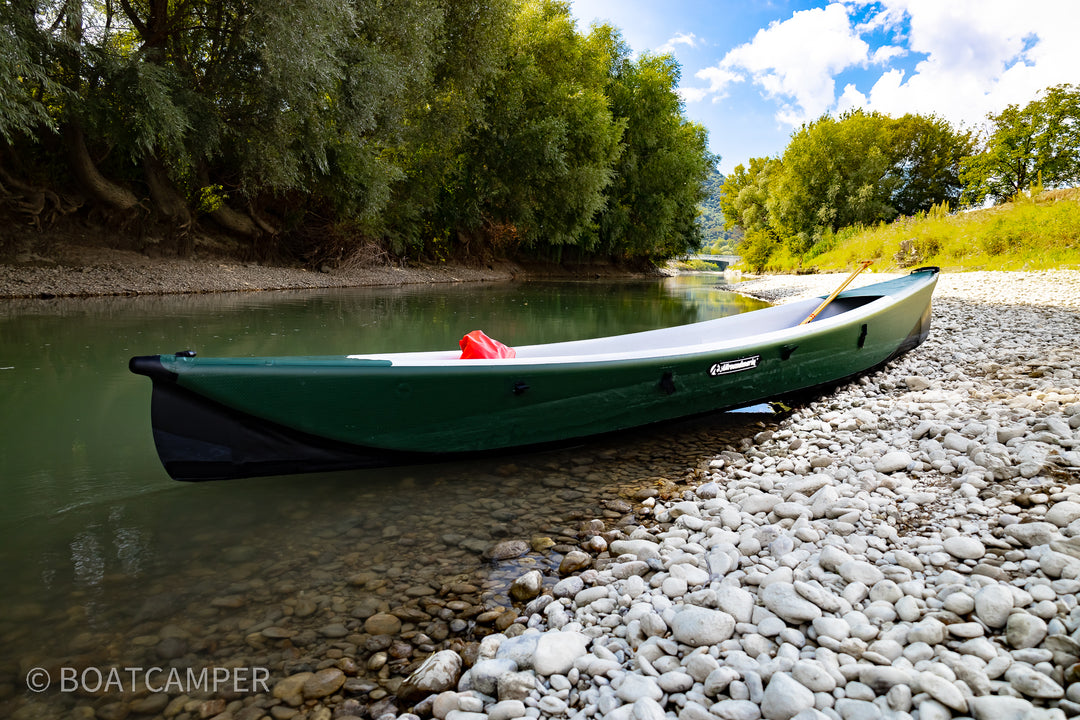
734, 366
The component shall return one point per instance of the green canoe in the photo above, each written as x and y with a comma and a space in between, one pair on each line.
216, 418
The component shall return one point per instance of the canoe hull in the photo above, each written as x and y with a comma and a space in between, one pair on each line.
240, 417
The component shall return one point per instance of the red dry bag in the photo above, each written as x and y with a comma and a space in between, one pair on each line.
476, 345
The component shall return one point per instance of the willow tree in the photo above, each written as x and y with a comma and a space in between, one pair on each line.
255, 113
535, 170
470, 51
664, 161
408, 122
23, 75
257, 101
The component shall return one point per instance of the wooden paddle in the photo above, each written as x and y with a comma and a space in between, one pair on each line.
862, 266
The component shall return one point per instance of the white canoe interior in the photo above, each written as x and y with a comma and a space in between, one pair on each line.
726, 333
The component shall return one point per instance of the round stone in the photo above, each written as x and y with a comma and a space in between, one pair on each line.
574, 561
894, 461
698, 626
527, 586
1024, 630
508, 549
1063, 513
964, 547
783, 600
993, 604
439, 672
943, 691
636, 686
1029, 681
860, 571
323, 683
785, 697
382, 624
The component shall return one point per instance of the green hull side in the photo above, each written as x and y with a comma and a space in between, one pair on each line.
471, 408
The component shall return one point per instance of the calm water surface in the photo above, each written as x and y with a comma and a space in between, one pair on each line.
100, 548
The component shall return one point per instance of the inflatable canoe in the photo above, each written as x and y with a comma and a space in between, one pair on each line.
217, 418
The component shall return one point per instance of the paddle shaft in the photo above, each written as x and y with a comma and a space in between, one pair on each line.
862, 266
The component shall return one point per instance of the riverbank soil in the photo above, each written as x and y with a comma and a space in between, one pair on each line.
75, 261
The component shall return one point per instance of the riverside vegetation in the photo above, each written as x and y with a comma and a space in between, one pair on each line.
332, 132
826, 198
1033, 232
361, 133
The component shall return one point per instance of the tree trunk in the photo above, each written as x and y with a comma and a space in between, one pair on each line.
236, 222
92, 180
263, 224
170, 203
166, 198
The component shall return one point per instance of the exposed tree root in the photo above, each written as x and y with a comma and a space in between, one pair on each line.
99, 187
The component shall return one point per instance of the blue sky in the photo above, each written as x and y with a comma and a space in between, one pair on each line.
754, 70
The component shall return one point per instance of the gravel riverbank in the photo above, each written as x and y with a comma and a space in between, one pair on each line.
80, 272
907, 547
76, 271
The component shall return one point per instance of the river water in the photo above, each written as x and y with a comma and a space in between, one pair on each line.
107, 562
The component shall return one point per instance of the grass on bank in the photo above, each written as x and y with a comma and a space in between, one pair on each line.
1030, 233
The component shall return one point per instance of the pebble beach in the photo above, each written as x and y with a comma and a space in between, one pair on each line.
906, 547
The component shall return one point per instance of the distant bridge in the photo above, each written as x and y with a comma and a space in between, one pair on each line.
721, 261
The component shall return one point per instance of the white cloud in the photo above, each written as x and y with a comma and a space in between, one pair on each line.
795, 61
977, 57
689, 39
981, 55
850, 99
719, 80
690, 95
885, 53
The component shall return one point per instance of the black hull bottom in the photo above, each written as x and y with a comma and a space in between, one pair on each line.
198, 439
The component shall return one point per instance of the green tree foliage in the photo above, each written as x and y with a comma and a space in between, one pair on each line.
757, 247
425, 126
712, 217
832, 176
664, 163
470, 52
927, 161
744, 199
539, 163
1036, 144
745, 193
859, 169
263, 103
23, 77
